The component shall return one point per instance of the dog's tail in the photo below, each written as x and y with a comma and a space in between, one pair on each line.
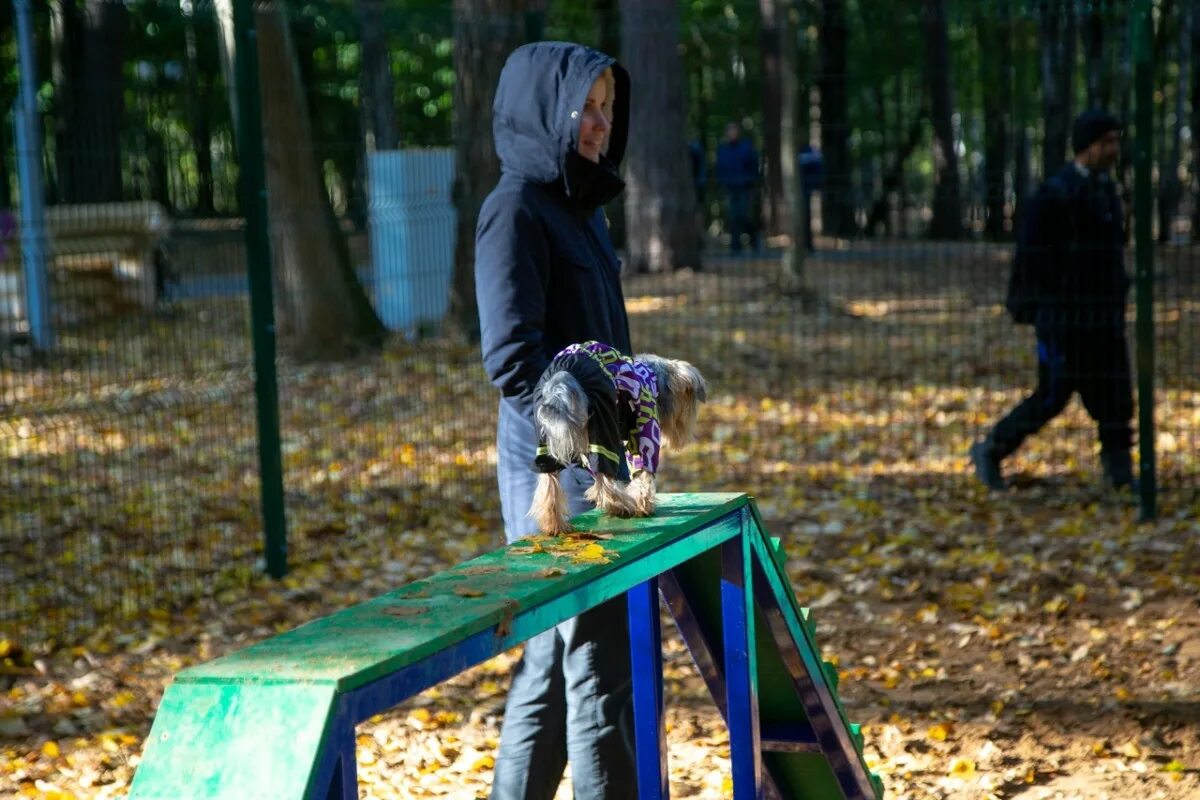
549, 508
562, 415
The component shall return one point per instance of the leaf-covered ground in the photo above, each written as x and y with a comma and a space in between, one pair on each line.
1037, 643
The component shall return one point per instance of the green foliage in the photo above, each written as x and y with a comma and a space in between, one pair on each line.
169, 87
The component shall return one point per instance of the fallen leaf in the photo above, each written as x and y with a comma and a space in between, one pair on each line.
405, 611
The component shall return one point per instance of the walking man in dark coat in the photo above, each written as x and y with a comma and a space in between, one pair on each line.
1069, 282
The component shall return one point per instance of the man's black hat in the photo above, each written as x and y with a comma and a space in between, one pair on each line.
1090, 126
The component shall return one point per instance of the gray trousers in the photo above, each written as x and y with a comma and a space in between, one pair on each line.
571, 693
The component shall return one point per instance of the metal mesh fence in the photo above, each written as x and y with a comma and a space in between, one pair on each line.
131, 474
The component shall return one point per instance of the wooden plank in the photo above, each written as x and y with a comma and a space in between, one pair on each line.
381, 636
234, 740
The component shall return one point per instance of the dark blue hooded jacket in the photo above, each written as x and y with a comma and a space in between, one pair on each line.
546, 274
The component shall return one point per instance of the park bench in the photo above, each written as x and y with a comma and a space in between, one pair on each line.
98, 255
276, 719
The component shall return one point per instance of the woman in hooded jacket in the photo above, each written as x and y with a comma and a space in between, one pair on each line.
547, 276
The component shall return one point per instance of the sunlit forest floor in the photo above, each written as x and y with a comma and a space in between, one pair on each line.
1034, 643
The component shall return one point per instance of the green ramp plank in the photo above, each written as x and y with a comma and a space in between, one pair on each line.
798, 775
234, 740
359, 644
253, 723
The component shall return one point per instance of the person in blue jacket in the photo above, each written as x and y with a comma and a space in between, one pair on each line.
547, 276
737, 172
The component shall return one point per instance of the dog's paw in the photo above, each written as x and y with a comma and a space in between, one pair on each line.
642, 494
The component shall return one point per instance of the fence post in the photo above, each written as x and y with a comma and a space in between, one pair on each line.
29, 171
1143, 58
252, 171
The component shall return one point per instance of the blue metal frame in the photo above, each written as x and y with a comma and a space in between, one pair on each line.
650, 735
741, 689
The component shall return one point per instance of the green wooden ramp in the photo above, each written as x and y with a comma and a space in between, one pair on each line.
810, 749
276, 720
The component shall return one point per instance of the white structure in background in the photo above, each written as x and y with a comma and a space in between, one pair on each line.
412, 221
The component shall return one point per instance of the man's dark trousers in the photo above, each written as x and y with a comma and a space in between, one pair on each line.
1093, 362
571, 694
740, 202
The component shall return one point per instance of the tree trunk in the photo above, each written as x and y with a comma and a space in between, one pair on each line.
1021, 176
377, 89
608, 19
93, 101
6, 200
1057, 34
947, 203
791, 138
771, 31
1124, 93
1099, 76
227, 45
321, 306
901, 181
198, 84
894, 177
837, 208
660, 225
1194, 23
485, 32
996, 62
1170, 187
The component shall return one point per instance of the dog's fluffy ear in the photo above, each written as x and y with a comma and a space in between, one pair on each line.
681, 390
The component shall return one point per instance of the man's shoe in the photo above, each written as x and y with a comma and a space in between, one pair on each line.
1118, 469
987, 466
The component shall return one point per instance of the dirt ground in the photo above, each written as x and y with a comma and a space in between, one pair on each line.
1037, 643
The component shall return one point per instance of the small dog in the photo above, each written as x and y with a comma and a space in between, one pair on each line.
592, 406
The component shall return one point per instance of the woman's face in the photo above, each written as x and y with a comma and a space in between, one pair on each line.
593, 125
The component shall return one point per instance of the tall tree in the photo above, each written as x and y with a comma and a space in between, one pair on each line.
773, 21
1057, 35
947, 203
485, 32
199, 82
1194, 31
660, 228
791, 138
1097, 73
377, 88
1170, 187
91, 100
608, 19
837, 207
227, 44
322, 309
996, 78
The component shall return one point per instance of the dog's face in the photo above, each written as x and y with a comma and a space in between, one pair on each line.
681, 390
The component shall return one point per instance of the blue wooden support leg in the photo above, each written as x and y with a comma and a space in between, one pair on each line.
741, 679
339, 772
645, 645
